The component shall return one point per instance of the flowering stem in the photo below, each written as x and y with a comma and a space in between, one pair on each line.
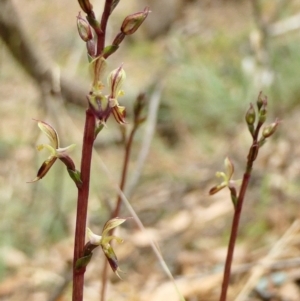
253, 151
104, 20
82, 203
234, 231
116, 212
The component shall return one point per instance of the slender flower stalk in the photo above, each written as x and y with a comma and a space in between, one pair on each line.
238, 200
234, 230
100, 108
82, 204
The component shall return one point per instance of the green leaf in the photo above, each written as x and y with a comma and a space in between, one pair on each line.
75, 176
108, 50
98, 129
234, 200
83, 261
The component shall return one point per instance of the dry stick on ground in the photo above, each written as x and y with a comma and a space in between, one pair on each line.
25, 53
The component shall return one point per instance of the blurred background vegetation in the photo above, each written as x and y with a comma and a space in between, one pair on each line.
210, 60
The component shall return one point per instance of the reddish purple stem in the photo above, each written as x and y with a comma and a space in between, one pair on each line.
82, 204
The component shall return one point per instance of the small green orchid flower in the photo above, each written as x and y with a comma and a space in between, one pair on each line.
55, 151
105, 105
104, 241
115, 82
227, 181
97, 69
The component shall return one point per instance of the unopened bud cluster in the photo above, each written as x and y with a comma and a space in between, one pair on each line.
90, 29
92, 32
255, 120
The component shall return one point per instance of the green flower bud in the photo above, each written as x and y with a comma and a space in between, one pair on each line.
250, 115
84, 29
132, 22
263, 112
270, 129
260, 100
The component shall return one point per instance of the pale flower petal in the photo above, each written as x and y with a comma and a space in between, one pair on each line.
111, 224
60, 152
93, 238
50, 132
48, 147
115, 81
229, 168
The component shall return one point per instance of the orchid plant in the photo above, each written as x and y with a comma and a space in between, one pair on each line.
255, 119
100, 106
